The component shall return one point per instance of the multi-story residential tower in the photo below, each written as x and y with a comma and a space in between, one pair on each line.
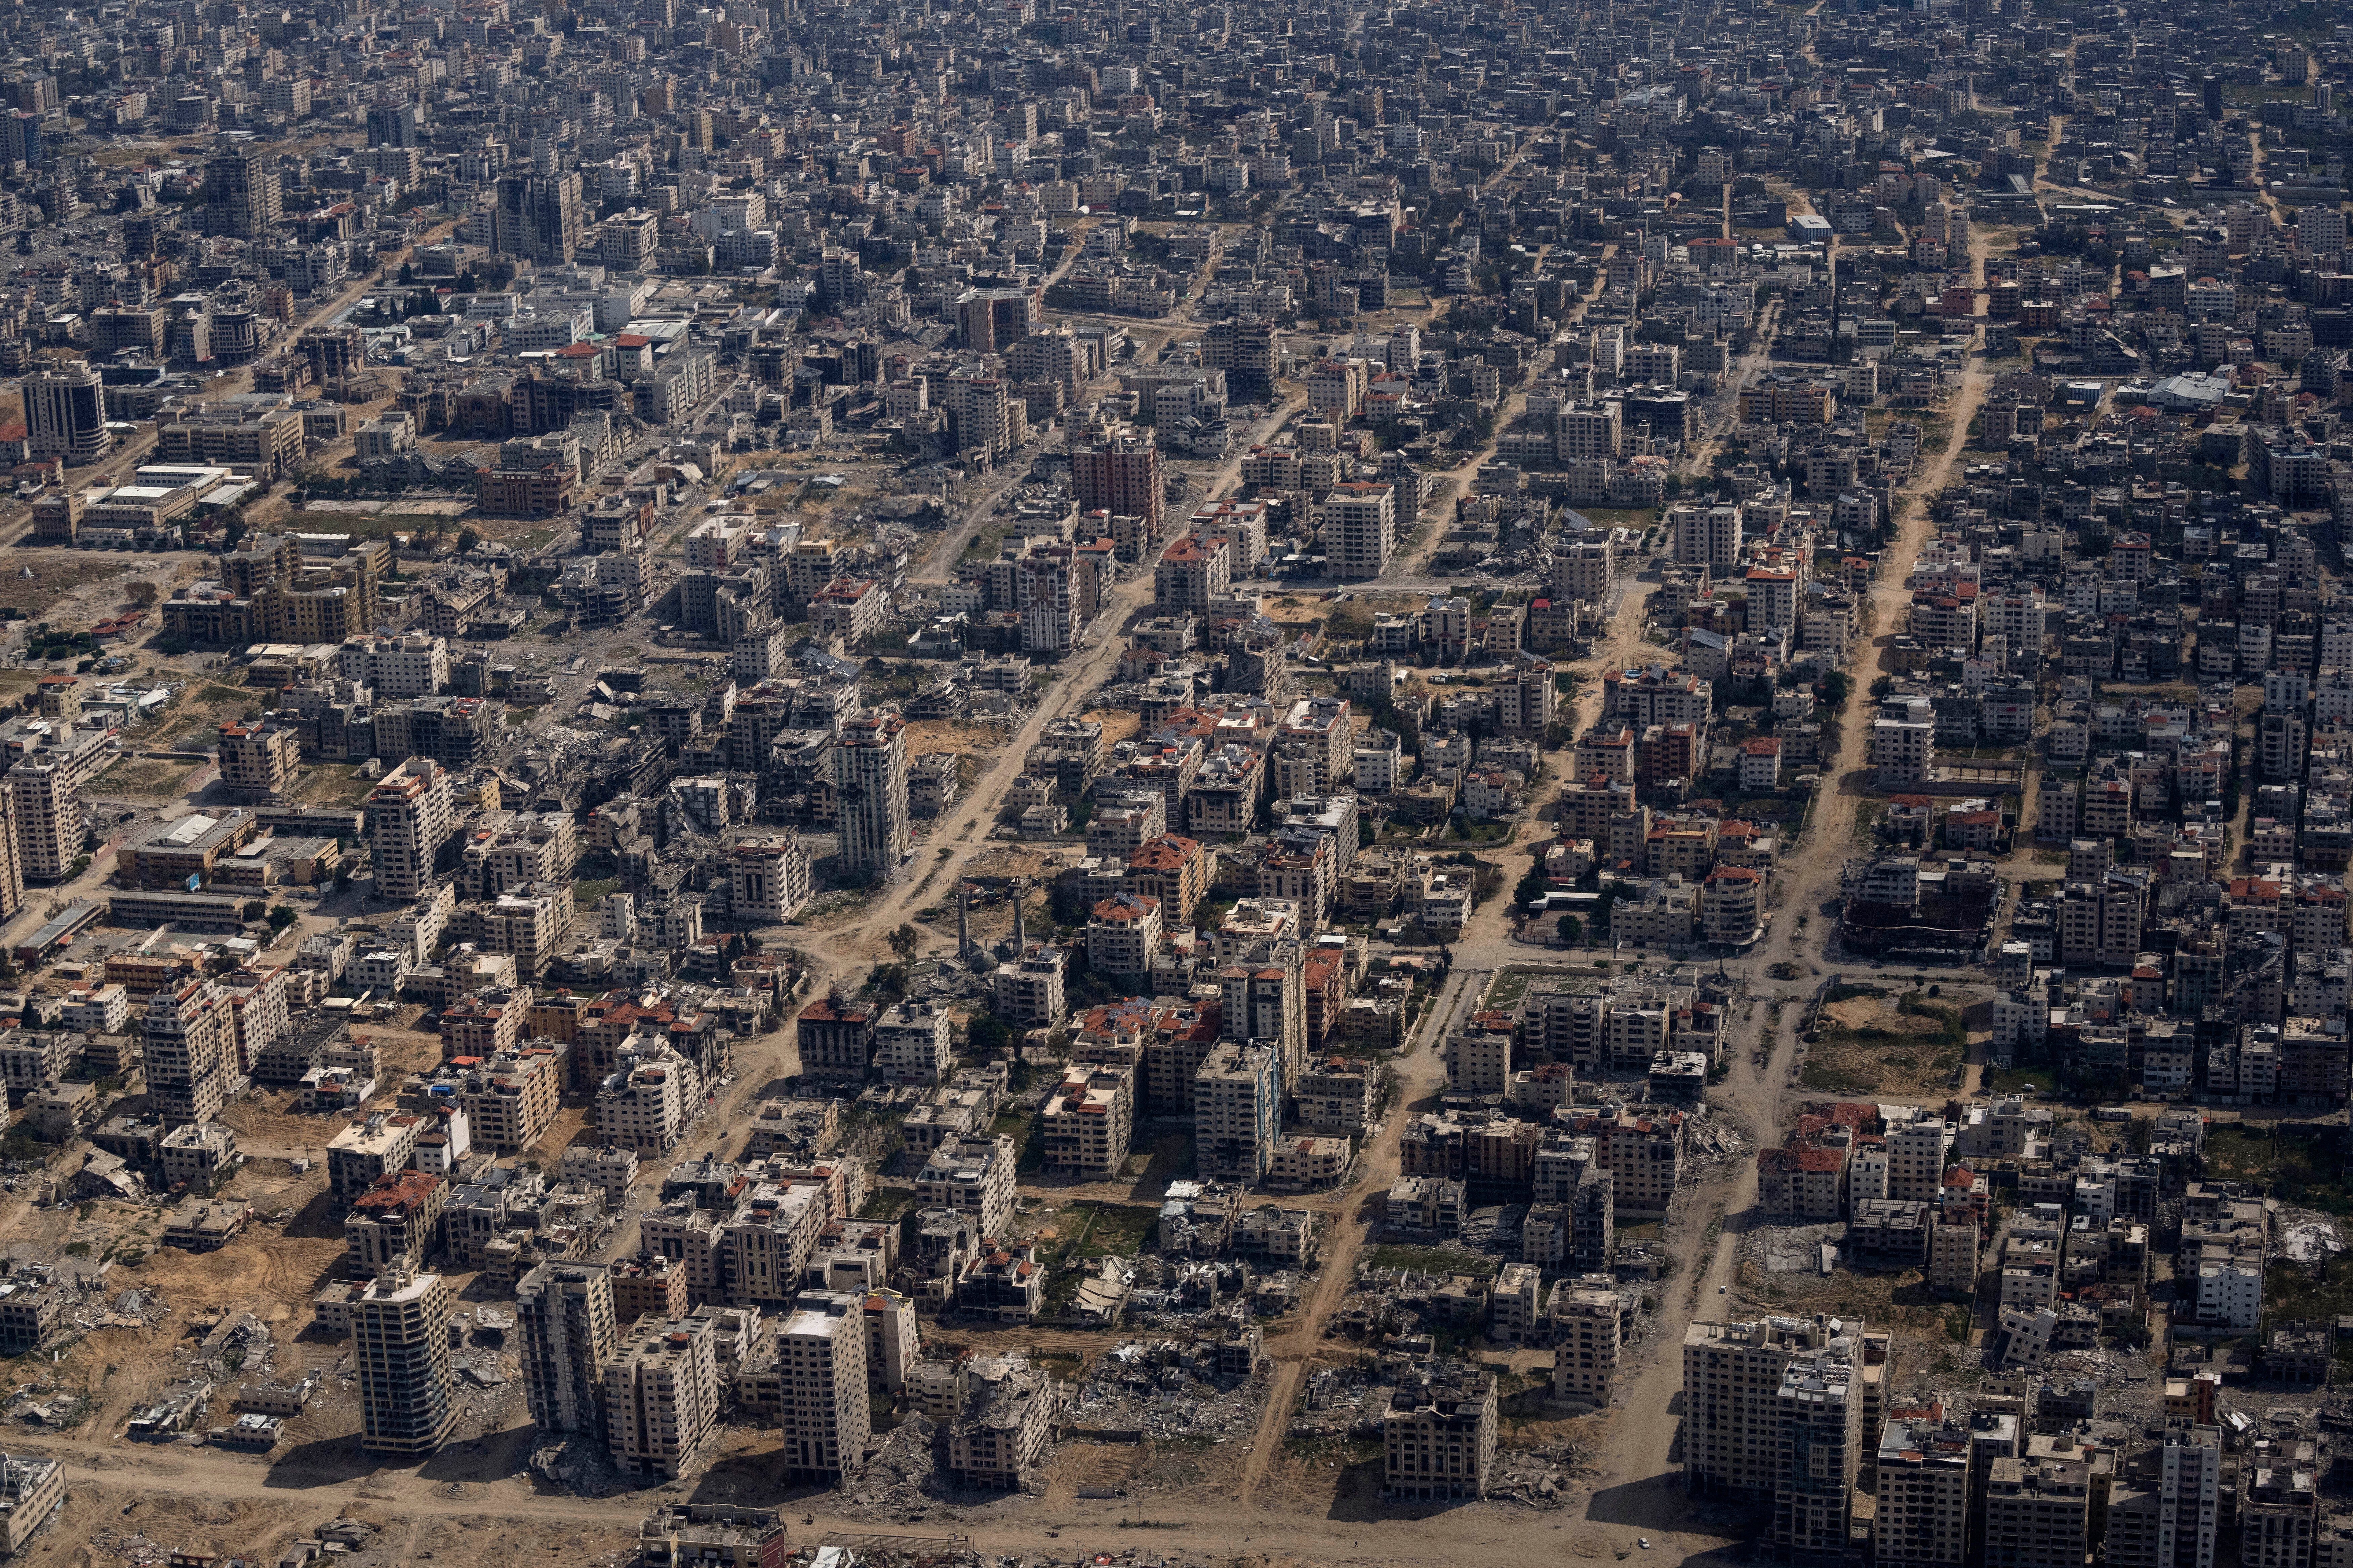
870, 775
411, 816
565, 1313
241, 193
822, 1364
2038, 1512
1236, 1111
1731, 1391
1923, 1480
1437, 1436
400, 1348
1119, 473
1819, 1411
1586, 1339
661, 1396
1360, 529
540, 217
190, 1048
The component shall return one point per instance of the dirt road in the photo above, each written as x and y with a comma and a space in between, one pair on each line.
1421, 1072
1641, 1487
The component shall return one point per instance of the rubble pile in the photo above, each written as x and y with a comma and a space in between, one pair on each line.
1790, 1249
239, 1344
1713, 1139
1340, 1402
46, 1405
907, 1474
1538, 1477
580, 1465
2306, 1236
127, 1546
1159, 1389
125, 1309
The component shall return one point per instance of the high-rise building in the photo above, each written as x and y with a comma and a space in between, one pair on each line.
2038, 1514
990, 320
1359, 529
1587, 1337
1236, 1111
1922, 1487
45, 817
12, 865
1119, 473
2190, 1486
241, 193
1244, 349
393, 125
191, 1052
65, 414
565, 1311
538, 217
1916, 1160
661, 1395
1732, 1399
869, 777
258, 761
822, 1367
24, 137
1705, 535
400, 1348
1819, 1411
409, 818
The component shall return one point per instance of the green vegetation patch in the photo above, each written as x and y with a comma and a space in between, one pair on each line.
887, 1202
2304, 1168
1434, 1260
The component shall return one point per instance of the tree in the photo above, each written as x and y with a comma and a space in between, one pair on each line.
143, 594
889, 980
467, 540
1572, 930
903, 941
280, 917
987, 1035
254, 909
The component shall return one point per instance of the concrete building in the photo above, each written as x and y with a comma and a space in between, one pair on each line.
1588, 1334
1819, 1413
191, 1057
821, 1360
1916, 1160
870, 775
1437, 1436
1124, 936
974, 1177
65, 415
400, 1348
1732, 1392
565, 1311
769, 879
1000, 1434
1360, 529
1925, 1473
661, 1396
411, 816
2038, 1512
1236, 1111
1090, 1120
